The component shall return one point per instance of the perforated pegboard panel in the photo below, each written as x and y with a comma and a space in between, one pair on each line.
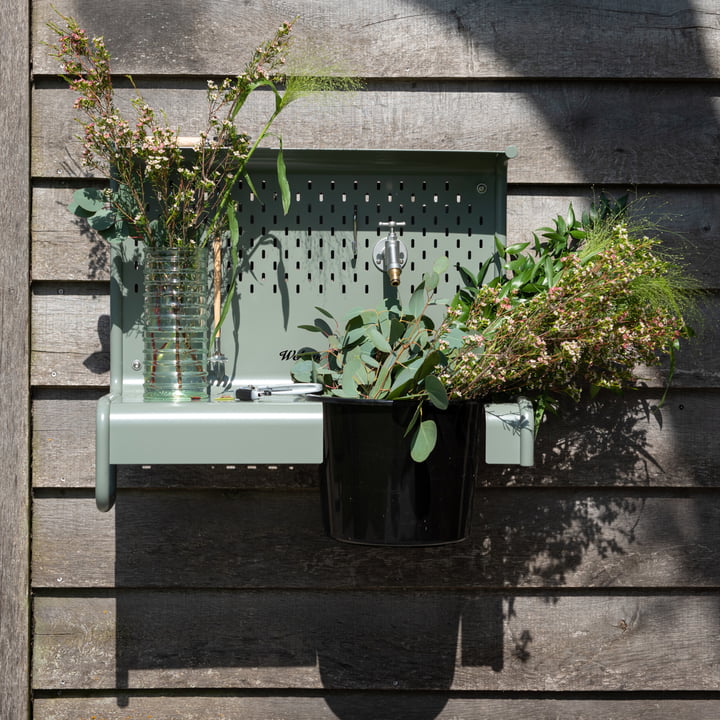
452, 203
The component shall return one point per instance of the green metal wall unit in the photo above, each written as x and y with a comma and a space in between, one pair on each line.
318, 254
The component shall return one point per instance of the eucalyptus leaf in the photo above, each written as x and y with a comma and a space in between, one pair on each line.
383, 378
417, 301
384, 325
355, 335
437, 394
423, 441
378, 340
432, 280
102, 220
397, 330
302, 371
428, 363
370, 317
403, 379
325, 312
369, 361
344, 392
454, 338
349, 377
79, 211
90, 200
310, 328
441, 265
323, 327
416, 417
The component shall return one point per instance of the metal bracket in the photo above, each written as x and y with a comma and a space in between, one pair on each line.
510, 433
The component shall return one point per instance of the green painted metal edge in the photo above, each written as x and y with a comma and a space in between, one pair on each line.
260, 432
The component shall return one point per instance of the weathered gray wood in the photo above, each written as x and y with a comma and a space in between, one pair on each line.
440, 641
415, 38
439, 706
14, 352
566, 131
71, 340
64, 246
65, 249
520, 537
71, 335
615, 441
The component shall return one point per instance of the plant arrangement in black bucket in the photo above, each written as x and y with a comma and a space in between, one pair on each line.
400, 457
578, 308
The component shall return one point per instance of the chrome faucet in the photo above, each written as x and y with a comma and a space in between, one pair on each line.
390, 254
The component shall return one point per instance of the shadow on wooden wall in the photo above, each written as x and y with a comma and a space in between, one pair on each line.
222, 583
219, 582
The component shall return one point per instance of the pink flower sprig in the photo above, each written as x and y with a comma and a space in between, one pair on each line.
164, 195
616, 302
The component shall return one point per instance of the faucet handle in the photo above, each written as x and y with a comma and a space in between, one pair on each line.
392, 223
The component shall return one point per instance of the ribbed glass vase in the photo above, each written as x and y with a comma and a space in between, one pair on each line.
175, 331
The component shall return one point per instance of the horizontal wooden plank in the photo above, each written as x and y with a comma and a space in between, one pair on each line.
615, 441
71, 340
413, 38
247, 539
566, 131
438, 706
437, 642
348, 705
63, 244
65, 249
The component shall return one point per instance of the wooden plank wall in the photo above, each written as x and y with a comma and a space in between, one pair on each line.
14, 362
590, 586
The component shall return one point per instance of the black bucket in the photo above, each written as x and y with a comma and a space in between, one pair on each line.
374, 493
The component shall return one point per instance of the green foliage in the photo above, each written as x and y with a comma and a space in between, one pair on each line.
579, 307
383, 353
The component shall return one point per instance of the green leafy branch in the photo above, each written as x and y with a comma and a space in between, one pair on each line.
384, 353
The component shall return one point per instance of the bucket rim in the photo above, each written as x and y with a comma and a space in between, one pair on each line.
337, 400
